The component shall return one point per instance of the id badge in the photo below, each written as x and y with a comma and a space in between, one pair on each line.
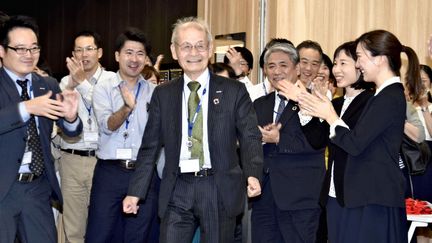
26, 159
90, 137
189, 165
124, 153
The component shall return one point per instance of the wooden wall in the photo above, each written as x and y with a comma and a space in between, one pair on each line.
60, 20
329, 22
233, 16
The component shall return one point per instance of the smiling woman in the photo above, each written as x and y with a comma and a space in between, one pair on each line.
373, 193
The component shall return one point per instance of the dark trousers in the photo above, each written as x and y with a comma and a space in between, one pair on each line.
271, 224
26, 211
106, 220
194, 203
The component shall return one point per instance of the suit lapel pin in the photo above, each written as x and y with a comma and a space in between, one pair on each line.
294, 108
216, 101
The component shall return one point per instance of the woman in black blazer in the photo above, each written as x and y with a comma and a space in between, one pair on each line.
373, 185
348, 107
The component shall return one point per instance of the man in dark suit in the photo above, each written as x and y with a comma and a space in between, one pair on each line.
203, 184
288, 209
27, 110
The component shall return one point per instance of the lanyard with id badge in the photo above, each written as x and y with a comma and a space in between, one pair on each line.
187, 162
126, 153
91, 134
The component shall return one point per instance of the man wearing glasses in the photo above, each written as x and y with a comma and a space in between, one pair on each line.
121, 105
198, 119
29, 104
78, 157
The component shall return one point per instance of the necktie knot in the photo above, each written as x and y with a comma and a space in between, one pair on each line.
24, 92
194, 86
22, 83
283, 98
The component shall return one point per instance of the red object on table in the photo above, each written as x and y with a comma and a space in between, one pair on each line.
417, 206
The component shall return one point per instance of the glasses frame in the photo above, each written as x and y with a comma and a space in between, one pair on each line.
23, 51
188, 47
86, 49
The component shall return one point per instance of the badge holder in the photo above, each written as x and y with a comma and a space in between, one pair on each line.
189, 164
124, 153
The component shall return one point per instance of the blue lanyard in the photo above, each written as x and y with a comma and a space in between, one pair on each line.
88, 108
136, 96
191, 123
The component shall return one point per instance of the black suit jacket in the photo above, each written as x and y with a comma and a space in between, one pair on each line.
337, 157
230, 120
13, 132
372, 173
296, 164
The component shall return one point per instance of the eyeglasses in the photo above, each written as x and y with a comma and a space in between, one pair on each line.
23, 50
86, 49
187, 47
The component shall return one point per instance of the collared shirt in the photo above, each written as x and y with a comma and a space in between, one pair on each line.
304, 119
107, 99
85, 110
278, 100
22, 110
204, 80
386, 83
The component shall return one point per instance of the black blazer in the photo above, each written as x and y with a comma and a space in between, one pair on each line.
230, 120
372, 174
337, 157
296, 164
13, 132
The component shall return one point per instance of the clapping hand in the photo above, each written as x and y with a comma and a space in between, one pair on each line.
128, 97
76, 71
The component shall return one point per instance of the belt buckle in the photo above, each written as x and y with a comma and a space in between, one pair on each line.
130, 164
25, 177
200, 173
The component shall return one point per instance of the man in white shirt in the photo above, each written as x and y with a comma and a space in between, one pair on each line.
78, 153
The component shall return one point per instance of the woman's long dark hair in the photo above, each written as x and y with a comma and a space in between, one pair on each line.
382, 42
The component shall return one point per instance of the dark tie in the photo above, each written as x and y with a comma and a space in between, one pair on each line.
280, 108
33, 142
197, 131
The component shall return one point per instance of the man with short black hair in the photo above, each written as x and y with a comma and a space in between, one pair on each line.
29, 104
311, 56
78, 157
121, 104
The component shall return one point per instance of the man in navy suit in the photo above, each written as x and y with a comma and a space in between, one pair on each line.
206, 189
288, 209
28, 105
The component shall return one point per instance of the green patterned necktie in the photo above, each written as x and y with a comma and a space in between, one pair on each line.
197, 130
